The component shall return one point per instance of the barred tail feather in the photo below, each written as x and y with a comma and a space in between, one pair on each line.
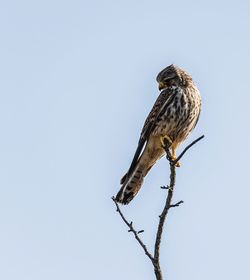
131, 185
132, 181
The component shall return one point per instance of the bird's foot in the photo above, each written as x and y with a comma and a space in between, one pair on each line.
166, 141
173, 159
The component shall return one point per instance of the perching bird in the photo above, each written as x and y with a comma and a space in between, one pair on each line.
173, 116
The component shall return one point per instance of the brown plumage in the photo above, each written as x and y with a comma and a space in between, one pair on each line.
173, 116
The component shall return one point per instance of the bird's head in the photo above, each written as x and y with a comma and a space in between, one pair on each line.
172, 76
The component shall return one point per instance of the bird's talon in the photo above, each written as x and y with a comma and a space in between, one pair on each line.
166, 141
177, 164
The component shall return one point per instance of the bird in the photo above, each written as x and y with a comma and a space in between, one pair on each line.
172, 118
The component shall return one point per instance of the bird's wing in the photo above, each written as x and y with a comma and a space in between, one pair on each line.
160, 106
197, 119
161, 103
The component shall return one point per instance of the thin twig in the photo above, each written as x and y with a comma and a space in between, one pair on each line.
177, 204
188, 147
131, 229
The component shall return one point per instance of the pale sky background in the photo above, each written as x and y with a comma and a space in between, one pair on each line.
77, 80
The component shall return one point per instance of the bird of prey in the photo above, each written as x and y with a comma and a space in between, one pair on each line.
172, 118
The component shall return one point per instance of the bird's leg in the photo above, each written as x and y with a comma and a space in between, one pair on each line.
166, 141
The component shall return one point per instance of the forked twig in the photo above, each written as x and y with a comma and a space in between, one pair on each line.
155, 259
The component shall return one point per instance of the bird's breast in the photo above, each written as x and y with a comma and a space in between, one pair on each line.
178, 118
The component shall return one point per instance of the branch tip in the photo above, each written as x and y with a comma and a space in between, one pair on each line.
177, 204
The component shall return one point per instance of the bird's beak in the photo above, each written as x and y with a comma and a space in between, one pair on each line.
161, 85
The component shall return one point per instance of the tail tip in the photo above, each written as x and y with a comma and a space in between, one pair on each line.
124, 197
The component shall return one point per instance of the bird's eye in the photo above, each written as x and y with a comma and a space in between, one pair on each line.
167, 79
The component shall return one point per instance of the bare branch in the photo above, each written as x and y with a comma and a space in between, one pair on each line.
168, 204
131, 229
165, 187
188, 147
177, 204
170, 190
163, 216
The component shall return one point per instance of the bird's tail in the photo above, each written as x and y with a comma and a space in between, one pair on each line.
131, 183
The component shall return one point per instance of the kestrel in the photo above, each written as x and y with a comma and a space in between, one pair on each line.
173, 116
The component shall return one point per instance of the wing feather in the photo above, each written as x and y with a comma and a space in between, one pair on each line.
160, 105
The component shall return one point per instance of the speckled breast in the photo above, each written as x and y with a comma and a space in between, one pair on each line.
180, 114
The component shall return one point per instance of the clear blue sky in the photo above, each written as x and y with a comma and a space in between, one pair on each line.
77, 79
